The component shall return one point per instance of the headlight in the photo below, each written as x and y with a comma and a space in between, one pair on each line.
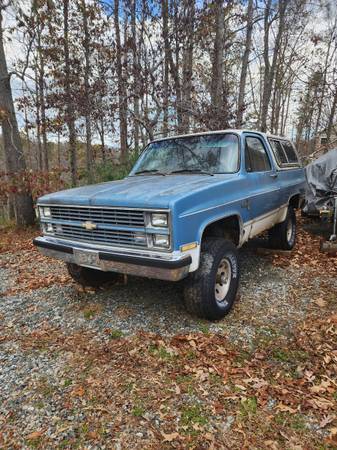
159, 219
44, 211
161, 240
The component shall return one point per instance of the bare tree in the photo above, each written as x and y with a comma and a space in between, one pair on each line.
187, 84
217, 63
87, 93
269, 69
245, 62
70, 110
15, 160
121, 82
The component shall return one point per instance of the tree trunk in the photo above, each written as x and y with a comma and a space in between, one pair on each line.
217, 63
189, 13
87, 101
42, 102
122, 100
332, 114
15, 161
135, 73
70, 112
323, 87
38, 122
269, 72
164, 6
245, 62
176, 64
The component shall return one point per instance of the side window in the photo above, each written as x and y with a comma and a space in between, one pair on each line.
256, 157
290, 152
278, 151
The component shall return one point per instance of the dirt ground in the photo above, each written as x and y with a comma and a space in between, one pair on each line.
126, 367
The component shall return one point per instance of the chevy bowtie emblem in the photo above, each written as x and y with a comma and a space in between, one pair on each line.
89, 225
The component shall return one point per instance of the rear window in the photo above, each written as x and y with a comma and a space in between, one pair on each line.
290, 152
279, 152
284, 152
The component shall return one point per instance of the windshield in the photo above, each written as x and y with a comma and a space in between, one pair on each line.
209, 154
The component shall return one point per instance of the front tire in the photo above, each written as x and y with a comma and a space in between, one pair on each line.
210, 291
283, 235
89, 277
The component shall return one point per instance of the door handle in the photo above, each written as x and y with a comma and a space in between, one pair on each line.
274, 175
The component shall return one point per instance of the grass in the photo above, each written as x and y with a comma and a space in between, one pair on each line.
294, 421
115, 334
290, 356
248, 406
90, 311
203, 327
68, 382
161, 353
192, 415
138, 410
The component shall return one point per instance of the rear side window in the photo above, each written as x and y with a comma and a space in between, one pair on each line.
290, 152
256, 157
279, 152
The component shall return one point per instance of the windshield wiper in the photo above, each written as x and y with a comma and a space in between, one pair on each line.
201, 171
150, 171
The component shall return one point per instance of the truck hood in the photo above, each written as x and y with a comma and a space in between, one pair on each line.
154, 191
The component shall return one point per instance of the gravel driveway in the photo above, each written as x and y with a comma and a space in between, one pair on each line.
34, 377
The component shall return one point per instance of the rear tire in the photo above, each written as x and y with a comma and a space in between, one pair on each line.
210, 291
283, 235
89, 277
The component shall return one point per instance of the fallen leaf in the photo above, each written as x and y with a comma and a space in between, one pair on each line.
78, 392
326, 420
285, 408
35, 435
169, 437
272, 444
320, 403
320, 302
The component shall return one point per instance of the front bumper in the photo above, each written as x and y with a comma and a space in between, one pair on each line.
170, 267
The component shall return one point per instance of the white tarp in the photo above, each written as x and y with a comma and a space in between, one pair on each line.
321, 182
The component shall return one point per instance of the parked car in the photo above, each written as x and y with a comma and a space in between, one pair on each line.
184, 210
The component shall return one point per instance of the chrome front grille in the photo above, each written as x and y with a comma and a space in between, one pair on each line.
123, 217
104, 236
120, 227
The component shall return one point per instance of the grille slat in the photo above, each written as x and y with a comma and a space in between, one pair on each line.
101, 217
104, 215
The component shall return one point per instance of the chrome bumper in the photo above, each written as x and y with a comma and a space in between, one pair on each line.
164, 267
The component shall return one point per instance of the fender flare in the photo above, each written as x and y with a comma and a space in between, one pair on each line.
222, 217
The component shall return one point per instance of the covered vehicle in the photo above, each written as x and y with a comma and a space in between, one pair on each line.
321, 194
321, 187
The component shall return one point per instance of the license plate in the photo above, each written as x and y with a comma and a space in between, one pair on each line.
86, 258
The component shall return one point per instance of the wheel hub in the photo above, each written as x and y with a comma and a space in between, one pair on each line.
222, 280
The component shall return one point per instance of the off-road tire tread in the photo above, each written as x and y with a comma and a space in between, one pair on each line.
278, 234
197, 301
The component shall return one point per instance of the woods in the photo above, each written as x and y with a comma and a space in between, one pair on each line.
94, 82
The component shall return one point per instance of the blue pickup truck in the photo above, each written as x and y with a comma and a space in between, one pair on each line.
184, 210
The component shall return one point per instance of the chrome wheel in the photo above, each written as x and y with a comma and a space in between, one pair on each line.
223, 280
